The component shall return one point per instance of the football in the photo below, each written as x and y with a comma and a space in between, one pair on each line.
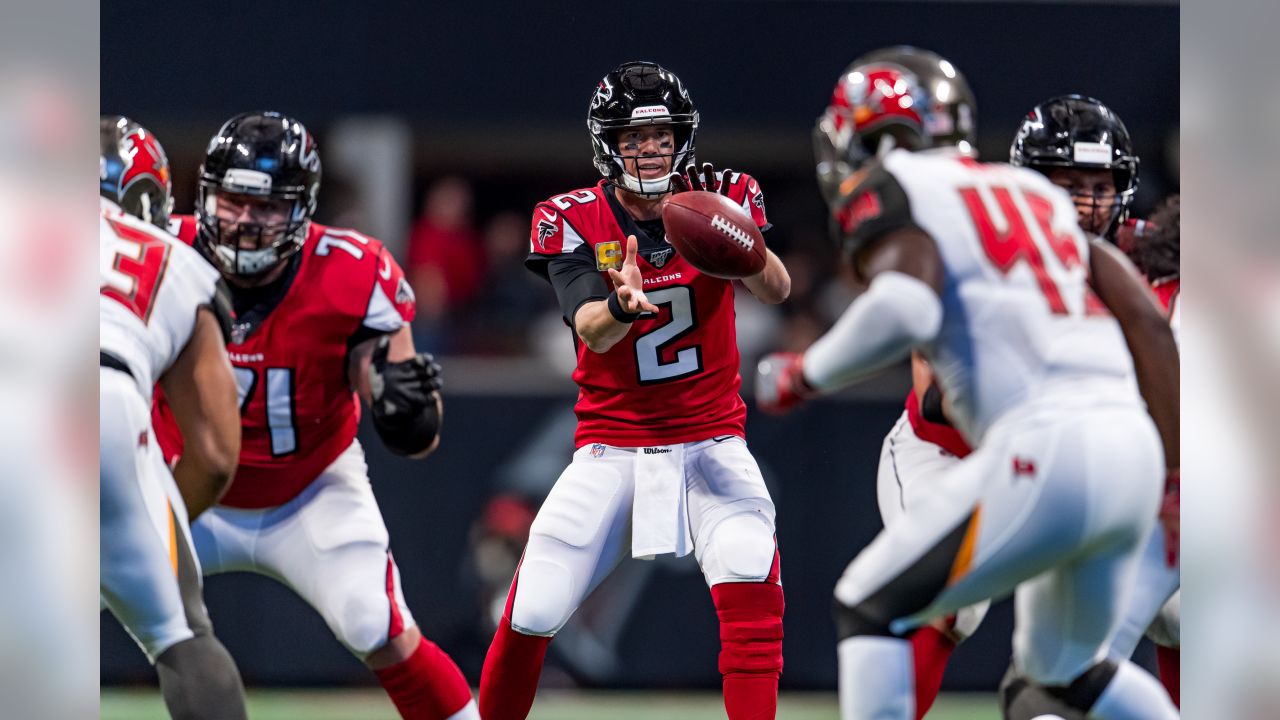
714, 234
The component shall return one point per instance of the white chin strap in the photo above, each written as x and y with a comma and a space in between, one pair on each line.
656, 186
247, 262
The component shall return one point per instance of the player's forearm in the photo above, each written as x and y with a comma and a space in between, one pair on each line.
895, 314
201, 483
597, 327
771, 285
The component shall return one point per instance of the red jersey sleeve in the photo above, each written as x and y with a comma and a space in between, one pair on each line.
745, 190
391, 304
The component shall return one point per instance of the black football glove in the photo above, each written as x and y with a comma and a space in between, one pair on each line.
404, 387
706, 182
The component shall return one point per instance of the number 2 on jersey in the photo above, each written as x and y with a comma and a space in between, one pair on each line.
278, 398
1014, 243
649, 346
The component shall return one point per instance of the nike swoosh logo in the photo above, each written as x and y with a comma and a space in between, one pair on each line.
385, 272
550, 216
722, 438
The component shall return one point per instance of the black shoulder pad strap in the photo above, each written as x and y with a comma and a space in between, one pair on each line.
220, 305
873, 208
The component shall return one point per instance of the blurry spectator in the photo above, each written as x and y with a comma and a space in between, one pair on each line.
509, 297
446, 261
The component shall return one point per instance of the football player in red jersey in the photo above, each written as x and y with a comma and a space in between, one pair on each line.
322, 323
661, 464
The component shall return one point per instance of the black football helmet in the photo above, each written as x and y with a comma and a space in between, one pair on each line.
1074, 131
266, 155
640, 93
899, 96
133, 171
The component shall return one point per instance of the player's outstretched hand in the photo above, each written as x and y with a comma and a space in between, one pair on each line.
1170, 514
629, 283
403, 386
780, 383
707, 181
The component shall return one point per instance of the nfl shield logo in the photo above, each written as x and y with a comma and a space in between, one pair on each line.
597, 450
658, 258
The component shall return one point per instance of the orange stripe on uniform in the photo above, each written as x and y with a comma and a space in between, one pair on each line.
173, 540
964, 558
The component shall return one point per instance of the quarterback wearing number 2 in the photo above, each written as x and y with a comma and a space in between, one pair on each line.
661, 464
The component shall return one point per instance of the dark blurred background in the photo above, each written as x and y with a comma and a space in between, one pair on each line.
441, 124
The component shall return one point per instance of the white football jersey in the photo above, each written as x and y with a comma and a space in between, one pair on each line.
151, 285
1018, 312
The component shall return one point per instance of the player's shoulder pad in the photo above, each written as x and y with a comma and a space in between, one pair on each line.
564, 222
872, 203
361, 266
745, 190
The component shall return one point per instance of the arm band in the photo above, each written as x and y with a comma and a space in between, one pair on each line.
615, 309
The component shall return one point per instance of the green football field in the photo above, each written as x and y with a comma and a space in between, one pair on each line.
145, 704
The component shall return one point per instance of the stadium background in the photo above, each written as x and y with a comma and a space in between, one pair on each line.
423, 110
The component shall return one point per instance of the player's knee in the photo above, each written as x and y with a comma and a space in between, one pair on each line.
742, 547
544, 598
363, 624
1026, 698
861, 618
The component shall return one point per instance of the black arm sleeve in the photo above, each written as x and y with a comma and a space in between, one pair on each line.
574, 277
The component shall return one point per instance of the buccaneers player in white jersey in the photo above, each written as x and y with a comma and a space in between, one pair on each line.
1083, 146
660, 440
985, 270
322, 323
162, 317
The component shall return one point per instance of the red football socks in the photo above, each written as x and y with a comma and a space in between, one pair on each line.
750, 647
426, 686
509, 679
930, 649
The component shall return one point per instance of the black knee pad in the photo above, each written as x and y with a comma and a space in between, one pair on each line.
860, 619
199, 681
1022, 699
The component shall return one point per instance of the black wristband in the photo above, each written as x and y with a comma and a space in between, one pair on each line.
615, 309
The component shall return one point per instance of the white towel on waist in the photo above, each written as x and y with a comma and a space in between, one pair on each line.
660, 513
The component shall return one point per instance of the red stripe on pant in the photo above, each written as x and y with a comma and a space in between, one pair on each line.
1169, 661
427, 685
509, 680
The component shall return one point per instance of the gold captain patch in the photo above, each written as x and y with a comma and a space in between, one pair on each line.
609, 255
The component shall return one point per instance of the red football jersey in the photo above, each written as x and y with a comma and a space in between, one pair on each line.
298, 409
674, 376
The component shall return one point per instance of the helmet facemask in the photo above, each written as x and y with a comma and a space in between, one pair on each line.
247, 250
611, 163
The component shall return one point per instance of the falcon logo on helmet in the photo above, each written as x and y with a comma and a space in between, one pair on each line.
636, 94
1074, 132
